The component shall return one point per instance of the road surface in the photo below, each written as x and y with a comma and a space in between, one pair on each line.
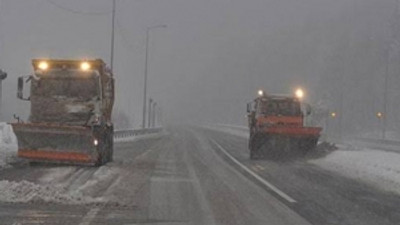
189, 176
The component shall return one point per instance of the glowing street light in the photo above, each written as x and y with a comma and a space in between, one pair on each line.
379, 115
333, 114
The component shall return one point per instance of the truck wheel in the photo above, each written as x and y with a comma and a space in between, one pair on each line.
109, 146
253, 155
253, 147
99, 160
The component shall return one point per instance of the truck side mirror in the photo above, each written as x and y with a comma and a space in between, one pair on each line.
248, 107
20, 92
308, 109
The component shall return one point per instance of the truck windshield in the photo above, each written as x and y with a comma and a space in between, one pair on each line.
282, 107
78, 88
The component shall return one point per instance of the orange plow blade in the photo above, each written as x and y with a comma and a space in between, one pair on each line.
54, 143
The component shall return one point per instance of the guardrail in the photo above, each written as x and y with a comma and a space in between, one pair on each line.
387, 145
131, 133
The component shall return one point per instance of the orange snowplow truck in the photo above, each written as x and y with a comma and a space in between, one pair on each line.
276, 125
70, 113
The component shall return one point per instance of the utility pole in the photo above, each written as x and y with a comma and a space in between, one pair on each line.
112, 35
153, 114
385, 93
392, 41
146, 65
149, 116
3, 75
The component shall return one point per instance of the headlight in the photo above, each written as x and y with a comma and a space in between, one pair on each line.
95, 142
85, 66
43, 65
260, 92
299, 93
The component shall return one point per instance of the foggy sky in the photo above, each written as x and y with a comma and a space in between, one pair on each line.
214, 54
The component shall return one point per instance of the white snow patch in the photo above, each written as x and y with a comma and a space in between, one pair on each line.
63, 186
379, 168
25, 191
8, 145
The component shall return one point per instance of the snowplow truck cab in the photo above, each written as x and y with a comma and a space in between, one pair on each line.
70, 112
276, 125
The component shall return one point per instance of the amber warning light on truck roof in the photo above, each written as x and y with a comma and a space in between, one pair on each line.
299, 93
43, 65
83, 65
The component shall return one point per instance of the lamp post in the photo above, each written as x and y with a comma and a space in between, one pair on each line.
331, 115
149, 113
146, 70
153, 114
112, 35
3, 75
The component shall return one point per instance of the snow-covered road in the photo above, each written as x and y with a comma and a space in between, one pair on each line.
192, 176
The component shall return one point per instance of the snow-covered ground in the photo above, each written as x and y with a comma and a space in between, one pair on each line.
8, 145
378, 168
373, 166
25, 191
68, 184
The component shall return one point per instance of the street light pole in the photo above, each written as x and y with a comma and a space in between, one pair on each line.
112, 35
3, 75
153, 114
149, 116
146, 64
385, 94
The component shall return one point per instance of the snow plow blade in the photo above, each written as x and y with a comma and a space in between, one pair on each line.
55, 143
294, 131
283, 142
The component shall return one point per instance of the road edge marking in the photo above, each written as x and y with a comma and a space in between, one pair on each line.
256, 176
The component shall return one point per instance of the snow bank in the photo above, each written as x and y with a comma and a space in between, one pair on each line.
8, 145
379, 168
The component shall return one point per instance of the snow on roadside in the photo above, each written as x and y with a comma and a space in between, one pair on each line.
375, 167
65, 185
25, 191
8, 145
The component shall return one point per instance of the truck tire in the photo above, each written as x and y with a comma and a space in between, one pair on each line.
254, 146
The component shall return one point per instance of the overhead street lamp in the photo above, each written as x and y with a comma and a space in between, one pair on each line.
331, 116
146, 71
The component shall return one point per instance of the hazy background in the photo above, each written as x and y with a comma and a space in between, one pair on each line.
215, 54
